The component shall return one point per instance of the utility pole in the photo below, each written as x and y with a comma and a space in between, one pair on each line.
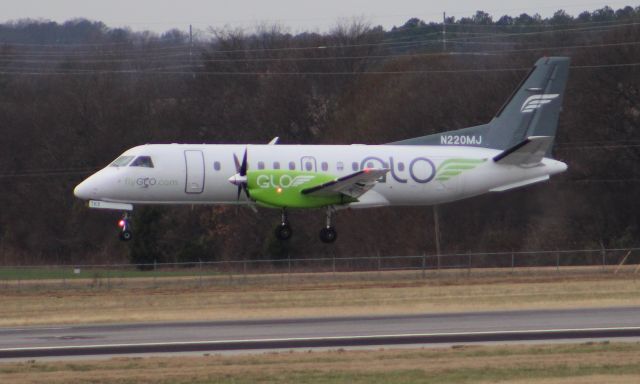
444, 31
190, 40
436, 226
191, 51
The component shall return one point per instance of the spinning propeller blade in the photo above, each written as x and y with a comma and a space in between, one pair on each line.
243, 167
240, 177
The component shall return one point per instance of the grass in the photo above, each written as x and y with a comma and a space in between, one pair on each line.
307, 295
560, 363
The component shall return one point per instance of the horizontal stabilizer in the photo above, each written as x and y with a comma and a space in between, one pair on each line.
353, 185
520, 184
527, 153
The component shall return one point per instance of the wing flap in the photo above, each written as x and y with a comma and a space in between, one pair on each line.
353, 185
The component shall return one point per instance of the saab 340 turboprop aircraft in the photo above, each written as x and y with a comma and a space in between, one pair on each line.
511, 151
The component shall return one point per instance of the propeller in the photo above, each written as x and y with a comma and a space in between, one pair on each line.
240, 178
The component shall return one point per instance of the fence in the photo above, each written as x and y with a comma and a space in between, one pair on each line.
620, 260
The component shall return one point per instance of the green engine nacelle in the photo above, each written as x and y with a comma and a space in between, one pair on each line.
278, 188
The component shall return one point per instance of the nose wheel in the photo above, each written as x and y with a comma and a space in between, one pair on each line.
125, 228
283, 230
328, 234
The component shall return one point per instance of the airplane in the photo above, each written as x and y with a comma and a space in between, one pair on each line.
511, 151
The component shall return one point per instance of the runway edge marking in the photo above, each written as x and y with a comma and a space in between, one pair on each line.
292, 339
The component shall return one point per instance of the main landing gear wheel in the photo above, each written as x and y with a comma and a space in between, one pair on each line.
284, 231
328, 234
125, 228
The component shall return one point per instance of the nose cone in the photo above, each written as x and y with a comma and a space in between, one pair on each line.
237, 179
85, 190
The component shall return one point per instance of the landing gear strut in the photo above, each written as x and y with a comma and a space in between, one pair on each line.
283, 230
125, 227
328, 234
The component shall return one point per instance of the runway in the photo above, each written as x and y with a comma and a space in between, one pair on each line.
525, 326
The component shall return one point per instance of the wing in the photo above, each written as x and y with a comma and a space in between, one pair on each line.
353, 185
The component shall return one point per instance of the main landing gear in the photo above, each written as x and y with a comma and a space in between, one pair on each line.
125, 227
328, 234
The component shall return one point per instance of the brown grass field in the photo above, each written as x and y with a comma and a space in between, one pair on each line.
307, 295
590, 363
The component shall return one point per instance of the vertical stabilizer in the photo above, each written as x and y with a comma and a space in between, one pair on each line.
532, 110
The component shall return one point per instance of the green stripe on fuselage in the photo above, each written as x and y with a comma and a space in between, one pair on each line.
470, 162
282, 188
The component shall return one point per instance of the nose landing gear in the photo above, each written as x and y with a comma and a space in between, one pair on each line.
125, 228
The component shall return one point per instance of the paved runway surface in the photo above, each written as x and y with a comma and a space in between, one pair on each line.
319, 332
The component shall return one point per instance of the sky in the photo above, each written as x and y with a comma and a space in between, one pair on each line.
293, 15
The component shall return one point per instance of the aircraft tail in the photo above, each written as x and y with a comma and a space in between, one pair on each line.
532, 110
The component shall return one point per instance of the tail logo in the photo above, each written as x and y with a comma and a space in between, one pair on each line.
536, 101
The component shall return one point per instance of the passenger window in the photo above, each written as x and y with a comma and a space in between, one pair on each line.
354, 166
216, 165
325, 166
142, 161
260, 164
292, 165
276, 165
121, 161
308, 166
369, 165
340, 166
400, 166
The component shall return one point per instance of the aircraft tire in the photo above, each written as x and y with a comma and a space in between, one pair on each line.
284, 231
328, 235
126, 235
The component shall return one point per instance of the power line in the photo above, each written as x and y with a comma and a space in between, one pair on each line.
163, 72
386, 42
88, 170
599, 147
589, 29
48, 173
333, 58
538, 25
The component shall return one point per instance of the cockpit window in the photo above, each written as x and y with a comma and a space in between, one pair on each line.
142, 161
121, 161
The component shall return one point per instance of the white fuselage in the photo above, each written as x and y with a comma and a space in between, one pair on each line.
199, 174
